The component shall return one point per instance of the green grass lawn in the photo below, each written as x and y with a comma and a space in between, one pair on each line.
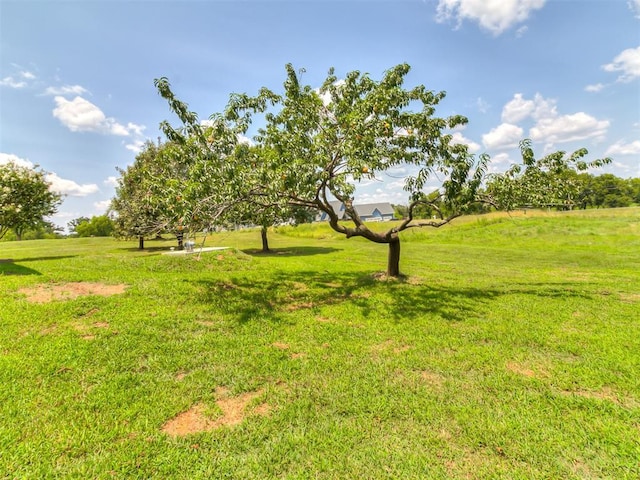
510, 350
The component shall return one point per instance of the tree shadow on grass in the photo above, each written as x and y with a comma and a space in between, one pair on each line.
10, 266
38, 259
291, 252
7, 267
273, 298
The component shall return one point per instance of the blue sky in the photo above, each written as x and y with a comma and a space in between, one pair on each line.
77, 94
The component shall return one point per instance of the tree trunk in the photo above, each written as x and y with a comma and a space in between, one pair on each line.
141, 242
265, 240
393, 263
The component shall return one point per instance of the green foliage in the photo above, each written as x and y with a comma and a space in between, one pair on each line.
220, 181
550, 181
317, 144
25, 199
400, 211
327, 140
73, 224
96, 226
153, 195
608, 191
44, 230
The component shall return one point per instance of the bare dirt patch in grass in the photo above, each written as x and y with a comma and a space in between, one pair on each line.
89, 330
292, 307
630, 297
206, 323
234, 411
521, 370
50, 292
84, 328
390, 346
431, 378
49, 330
300, 286
605, 393
322, 319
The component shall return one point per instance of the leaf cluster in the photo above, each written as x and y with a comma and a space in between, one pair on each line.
550, 181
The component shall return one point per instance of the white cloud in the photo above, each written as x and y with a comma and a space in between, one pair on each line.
59, 185
519, 108
80, 115
63, 217
594, 88
634, 6
10, 157
495, 16
549, 126
111, 181
12, 82
135, 146
19, 79
457, 137
66, 90
102, 206
483, 105
521, 31
69, 187
135, 129
499, 162
244, 140
391, 196
568, 128
627, 62
621, 148
544, 107
505, 135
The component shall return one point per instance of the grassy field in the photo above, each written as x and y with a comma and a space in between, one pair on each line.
510, 350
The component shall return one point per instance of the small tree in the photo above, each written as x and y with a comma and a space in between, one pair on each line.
25, 199
222, 170
152, 194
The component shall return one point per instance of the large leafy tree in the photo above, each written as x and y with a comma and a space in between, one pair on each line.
25, 198
316, 144
136, 213
326, 140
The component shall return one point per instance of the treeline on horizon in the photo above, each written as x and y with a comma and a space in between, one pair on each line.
596, 191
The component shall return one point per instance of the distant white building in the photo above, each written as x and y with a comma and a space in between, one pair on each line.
369, 212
